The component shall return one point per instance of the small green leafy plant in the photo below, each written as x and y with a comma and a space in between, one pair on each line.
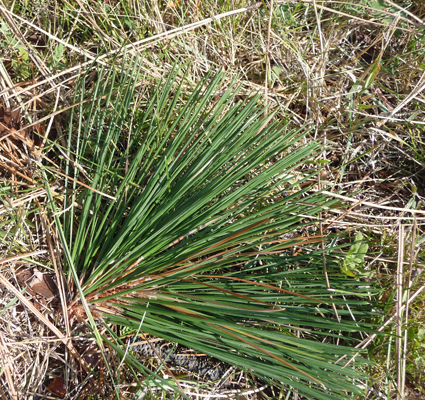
20, 61
353, 262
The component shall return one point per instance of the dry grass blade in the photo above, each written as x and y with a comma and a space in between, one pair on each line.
266, 82
369, 8
352, 16
405, 11
420, 86
153, 39
7, 362
59, 276
406, 305
401, 377
373, 205
25, 199
8, 86
84, 185
366, 342
46, 322
20, 256
44, 32
39, 63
